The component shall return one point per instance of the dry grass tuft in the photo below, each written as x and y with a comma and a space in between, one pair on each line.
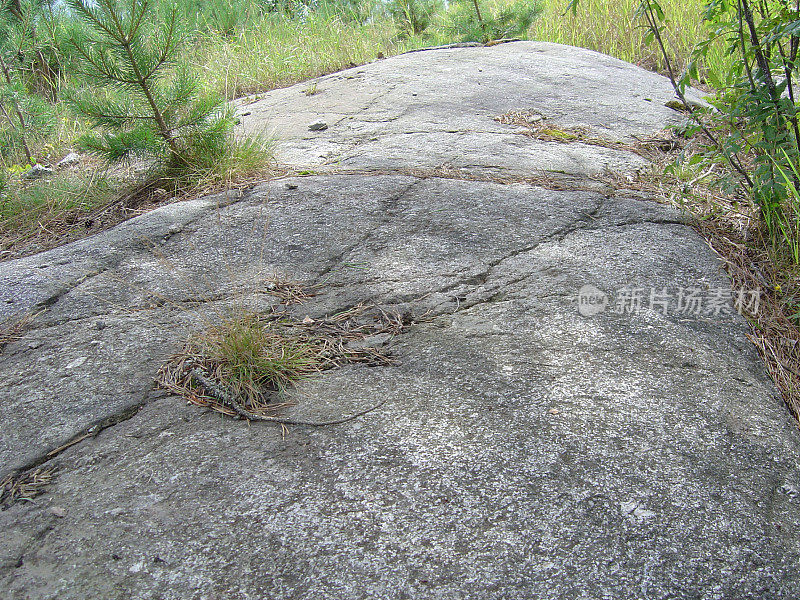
246, 363
25, 486
287, 290
613, 29
14, 327
535, 125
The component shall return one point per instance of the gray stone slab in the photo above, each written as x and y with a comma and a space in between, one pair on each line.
438, 108
524, 450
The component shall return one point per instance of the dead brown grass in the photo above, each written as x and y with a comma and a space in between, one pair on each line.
535, 125
14, 327
250, 361
287, 290
19, 487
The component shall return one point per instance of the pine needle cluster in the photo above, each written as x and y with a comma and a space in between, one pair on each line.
24, 66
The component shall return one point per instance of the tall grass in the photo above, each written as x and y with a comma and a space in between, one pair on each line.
784, 218
274, 51
610, 27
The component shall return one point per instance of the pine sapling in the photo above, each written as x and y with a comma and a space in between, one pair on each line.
140, 100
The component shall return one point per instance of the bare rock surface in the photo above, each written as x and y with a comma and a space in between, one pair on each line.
524, 450
429, 110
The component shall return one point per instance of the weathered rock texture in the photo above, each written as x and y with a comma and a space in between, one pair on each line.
525, 451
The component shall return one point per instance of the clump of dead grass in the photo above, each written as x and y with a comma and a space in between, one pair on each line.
14, 327
19, 487
245, 364
287, 290
533, 124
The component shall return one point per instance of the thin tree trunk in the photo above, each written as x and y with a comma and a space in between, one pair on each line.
761, 59
480, 17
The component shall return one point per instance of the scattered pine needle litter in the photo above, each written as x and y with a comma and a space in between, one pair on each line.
25, 486
287, 290
13, 328
244, 366
774, 334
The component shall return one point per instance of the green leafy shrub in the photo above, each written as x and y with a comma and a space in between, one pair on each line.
755, 127
757, 103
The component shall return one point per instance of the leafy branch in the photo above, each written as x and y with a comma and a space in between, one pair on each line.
653, 15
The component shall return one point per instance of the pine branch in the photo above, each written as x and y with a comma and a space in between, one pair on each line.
20, 116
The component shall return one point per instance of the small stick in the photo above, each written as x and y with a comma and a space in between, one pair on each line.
221, 394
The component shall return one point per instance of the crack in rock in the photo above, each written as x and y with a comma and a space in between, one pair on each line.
390, 204
92, 431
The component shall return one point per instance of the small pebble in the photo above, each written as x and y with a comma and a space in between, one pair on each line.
73, 158
58, 511
554, 411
